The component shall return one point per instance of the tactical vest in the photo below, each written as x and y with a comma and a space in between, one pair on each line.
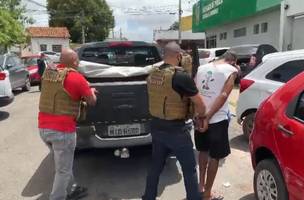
164, 102
54, 99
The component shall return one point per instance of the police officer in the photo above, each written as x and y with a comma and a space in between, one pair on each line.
63, 88
171, 90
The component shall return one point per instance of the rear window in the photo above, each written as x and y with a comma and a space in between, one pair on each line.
219, 53
287, 71
204, 54
1, 61
122, 56
244, 50
29, 61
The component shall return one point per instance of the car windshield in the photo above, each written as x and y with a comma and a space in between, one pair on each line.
122, 56
30, 61
1, 61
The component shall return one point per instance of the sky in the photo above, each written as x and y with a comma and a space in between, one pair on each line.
131, 16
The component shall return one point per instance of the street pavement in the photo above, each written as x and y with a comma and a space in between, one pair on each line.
27, 167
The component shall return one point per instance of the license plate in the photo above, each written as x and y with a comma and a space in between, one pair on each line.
123, 130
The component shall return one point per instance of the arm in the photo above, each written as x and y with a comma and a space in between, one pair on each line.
200, 108
91, 100
222, 98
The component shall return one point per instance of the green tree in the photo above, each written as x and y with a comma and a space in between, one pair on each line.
11, 30
174, 26
94, 15
16, 9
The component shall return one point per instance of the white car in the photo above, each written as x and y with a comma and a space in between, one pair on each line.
275, 70
208, 55
53, 56
6, 94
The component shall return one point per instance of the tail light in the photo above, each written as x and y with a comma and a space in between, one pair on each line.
245, 83
2, 75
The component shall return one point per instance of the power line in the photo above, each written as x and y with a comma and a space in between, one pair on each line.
36, 3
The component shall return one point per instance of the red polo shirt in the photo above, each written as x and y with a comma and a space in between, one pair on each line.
77, 87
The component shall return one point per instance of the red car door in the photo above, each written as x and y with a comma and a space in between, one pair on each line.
289, 133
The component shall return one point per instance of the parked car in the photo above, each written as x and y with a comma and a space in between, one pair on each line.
209, 55
6, 94
247, 53
276, 144
54, 57
121, 116
19, 76
31, 64
275, 70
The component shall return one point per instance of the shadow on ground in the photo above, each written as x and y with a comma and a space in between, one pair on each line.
107, 177
240, 143
4, 115
248, 197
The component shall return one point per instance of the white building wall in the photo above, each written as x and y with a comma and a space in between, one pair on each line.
271, 37
298, 31
295, 7
36, 42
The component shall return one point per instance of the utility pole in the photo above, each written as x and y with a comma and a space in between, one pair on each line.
113, 33
82, 27
180, 12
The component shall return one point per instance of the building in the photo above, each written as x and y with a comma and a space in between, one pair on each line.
236, 22
163, 36
47, 39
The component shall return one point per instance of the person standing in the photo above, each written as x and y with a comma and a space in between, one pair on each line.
62, 91
215, 82
171, 90
41, 63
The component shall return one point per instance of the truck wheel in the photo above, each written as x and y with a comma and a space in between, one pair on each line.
27, 86
248, 125
268, 182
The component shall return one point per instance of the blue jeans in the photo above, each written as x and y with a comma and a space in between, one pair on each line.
62, 146
176, 140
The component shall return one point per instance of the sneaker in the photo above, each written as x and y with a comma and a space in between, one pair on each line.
77, 193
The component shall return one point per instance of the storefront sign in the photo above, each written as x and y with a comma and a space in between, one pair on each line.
211, 13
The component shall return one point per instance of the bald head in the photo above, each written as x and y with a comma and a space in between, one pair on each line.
172, 53
172, 48
69, 58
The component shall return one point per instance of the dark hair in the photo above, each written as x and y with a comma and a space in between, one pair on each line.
229, 56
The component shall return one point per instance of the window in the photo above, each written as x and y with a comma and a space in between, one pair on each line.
204, 54
241, 32
223, 36
57, 48
211, 42
122, 56
256, 29
264, 27
286, 71
299, 113
43, 47
219, 53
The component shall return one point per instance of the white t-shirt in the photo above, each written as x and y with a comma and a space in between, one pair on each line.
210, 80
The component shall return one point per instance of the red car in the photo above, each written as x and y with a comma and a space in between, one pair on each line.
31, 63
277, 144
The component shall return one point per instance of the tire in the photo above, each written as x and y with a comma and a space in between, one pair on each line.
27, 86
268, 182
248, 125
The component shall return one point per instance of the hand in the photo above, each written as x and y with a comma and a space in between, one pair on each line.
204, 126
94, 91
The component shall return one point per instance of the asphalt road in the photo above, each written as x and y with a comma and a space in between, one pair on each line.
27, 168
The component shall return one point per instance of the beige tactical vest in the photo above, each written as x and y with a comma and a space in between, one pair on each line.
164, 102
54, 99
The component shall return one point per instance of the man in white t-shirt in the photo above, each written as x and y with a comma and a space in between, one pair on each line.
215, 82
